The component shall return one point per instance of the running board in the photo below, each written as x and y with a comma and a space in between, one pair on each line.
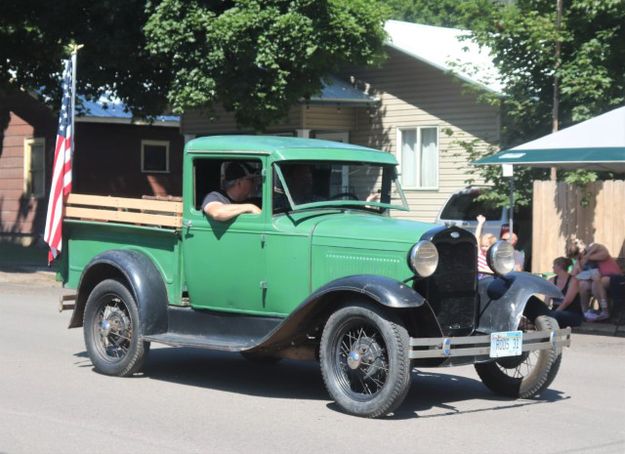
188, 327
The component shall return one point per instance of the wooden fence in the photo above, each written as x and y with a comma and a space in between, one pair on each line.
558, 213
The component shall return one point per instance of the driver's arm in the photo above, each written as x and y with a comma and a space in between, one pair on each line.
224, 212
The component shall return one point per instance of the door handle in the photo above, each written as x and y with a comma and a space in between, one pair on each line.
188, 224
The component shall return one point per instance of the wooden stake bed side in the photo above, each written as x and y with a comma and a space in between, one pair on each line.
163, 213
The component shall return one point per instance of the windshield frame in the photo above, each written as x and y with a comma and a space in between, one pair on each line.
345, 203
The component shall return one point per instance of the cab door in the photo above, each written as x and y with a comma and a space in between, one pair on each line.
224, 262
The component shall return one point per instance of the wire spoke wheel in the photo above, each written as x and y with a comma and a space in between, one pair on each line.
112, 330
364, 360
526, 375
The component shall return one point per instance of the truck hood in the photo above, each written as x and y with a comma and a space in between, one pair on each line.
353, 229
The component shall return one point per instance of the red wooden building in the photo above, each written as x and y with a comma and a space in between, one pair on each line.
114, 154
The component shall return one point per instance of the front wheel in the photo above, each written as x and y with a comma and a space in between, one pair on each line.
112, 330
365, 363
527, 375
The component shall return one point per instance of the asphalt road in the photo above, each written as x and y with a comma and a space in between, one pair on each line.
188, 401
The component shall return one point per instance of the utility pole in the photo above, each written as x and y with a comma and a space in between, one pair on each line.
555, 120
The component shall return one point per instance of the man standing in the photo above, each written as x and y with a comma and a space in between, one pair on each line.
238, 185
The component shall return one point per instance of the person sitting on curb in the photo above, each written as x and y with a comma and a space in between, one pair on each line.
238, 185
593, 281
484, 242
568, 310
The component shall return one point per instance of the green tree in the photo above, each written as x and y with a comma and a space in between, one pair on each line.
256, 57
35, 35
522, 36
443, 13
259, 57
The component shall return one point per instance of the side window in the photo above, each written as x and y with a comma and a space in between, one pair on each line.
211, 175
154, 156
34, 167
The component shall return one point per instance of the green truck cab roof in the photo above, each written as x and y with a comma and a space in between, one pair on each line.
289, 148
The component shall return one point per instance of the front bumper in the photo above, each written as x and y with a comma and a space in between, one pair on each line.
454, 347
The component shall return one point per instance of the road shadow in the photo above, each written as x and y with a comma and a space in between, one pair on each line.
233, 373
432, 394
437, 394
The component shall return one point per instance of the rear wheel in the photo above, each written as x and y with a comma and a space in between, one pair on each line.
364, 360
112, 330
525, 376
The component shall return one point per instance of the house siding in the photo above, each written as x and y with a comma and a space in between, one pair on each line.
199, 123
414, 94
107, 160
22, 118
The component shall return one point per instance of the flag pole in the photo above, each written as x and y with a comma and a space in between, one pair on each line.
75, 49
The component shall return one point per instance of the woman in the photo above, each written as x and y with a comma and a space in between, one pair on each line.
568, 310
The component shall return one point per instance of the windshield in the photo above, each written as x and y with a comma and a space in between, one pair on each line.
301, 185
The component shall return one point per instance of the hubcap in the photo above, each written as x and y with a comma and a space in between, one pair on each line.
113, 329
353, 360
362, 365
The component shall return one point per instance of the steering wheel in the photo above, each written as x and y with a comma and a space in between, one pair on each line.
344, 195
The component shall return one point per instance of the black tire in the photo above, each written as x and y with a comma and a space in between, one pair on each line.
364, 356
112, 330
526, 376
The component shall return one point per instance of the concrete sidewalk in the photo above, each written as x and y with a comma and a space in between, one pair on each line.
28, 275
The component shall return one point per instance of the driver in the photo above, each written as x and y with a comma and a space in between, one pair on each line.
299, 179
239, 184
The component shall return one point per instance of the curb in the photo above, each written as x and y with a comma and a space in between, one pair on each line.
601, 329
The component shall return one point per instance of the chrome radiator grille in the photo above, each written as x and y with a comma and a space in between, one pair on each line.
452, 289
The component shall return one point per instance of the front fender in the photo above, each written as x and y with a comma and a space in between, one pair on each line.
317, 307
503, 313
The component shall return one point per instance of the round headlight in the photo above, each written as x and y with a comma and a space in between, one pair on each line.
423, 258
500, 257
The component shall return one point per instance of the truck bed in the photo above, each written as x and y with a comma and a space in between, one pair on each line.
95, 224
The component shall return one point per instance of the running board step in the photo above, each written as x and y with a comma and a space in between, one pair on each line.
188, 327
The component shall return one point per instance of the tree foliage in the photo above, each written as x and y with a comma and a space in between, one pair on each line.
591, 71
443, 13
258, 57
35, 35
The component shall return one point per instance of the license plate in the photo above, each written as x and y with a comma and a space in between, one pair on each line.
507, 343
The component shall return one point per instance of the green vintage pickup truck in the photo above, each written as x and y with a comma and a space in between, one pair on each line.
324, 272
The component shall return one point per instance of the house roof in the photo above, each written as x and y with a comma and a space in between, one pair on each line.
112, 110
445, 49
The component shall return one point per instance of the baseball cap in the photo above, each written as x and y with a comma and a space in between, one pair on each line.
235, 170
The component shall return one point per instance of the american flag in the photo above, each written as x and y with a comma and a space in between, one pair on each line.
62, 170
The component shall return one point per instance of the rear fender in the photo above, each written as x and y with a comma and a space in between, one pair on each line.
503, 299
139, 274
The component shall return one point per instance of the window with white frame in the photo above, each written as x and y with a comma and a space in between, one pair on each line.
154, 156
35, 167
418, 157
